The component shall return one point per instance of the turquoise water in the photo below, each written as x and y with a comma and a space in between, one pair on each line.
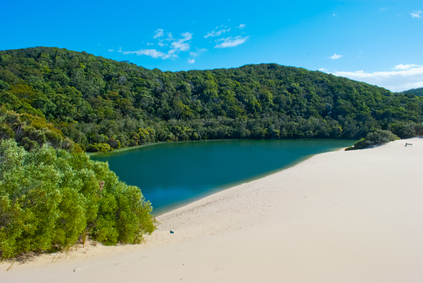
173, 174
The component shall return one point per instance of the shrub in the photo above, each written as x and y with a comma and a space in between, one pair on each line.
50, 198
377, 137
406, 130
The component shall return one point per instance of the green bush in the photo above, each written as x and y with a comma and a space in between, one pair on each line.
103, 147
377, 137
51, 198
406, 130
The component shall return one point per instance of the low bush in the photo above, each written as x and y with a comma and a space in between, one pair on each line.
377, 137
50, 199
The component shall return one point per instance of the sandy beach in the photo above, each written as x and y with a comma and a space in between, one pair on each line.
344, 216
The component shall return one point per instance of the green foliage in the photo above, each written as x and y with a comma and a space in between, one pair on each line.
414, 91
377, 137
32, 132
95, 101
103, 147
407, 130
50, 198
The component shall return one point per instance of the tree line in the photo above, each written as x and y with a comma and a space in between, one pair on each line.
101, 104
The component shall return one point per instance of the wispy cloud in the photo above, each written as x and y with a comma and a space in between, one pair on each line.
214, 33
197, 52
231, 41
177, 45
323, 70
241, 26
110, 50
151, 52
169, 37
181, 44
403, 77
334, 15
335, 56
158, 33
148, 44
405, 66
416, 14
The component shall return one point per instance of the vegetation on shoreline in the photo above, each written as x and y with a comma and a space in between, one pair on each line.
377, 137
103, 104
51, 199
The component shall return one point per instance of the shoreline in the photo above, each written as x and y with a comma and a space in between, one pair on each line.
242, 182
99, 153
194, 195
336, 216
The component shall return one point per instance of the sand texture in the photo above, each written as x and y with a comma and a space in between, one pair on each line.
354, 216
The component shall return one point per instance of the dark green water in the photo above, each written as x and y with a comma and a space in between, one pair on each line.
174, 174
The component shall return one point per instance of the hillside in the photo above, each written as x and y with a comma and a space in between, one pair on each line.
415, 91
102, 104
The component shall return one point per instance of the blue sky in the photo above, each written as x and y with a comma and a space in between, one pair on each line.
379, 42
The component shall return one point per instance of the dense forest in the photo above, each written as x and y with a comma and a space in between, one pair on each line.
415, 91
77, 100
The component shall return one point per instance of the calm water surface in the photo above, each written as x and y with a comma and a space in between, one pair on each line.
173, 174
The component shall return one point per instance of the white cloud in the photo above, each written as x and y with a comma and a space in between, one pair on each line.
181, 44
148, 44
334, 15
169, 37
197, 52
402, 78
405, 67
191, 61
241, 26
151, 52
177, 46
120, 50
214, 33
231, 41
110, 50
335, 56
158, 33
416, 14
161, 44
323, 70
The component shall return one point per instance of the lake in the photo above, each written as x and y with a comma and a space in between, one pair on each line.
173, 174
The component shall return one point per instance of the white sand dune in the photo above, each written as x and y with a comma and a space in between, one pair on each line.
353, 216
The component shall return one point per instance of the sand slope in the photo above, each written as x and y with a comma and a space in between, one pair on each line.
352, 216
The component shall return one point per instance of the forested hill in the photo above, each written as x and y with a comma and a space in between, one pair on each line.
50, 93
415, 91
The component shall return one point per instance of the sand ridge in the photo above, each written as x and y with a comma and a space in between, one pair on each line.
354, 216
